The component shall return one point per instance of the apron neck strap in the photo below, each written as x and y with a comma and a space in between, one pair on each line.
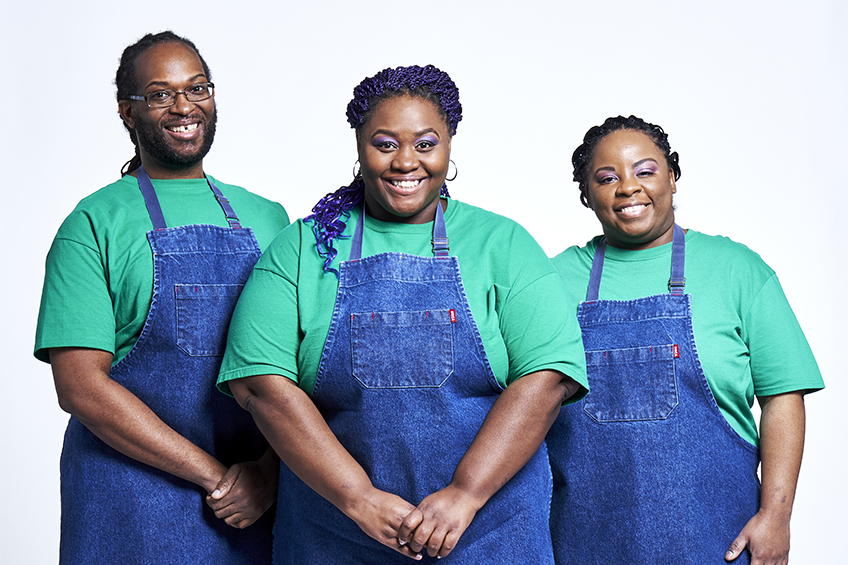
676, 283
441, 247
154, 209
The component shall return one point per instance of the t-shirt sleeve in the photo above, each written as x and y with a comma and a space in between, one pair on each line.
264, 334
76, 305
539, 330
781, 358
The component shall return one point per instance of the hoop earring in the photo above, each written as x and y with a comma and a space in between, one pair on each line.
455, 171
356, 169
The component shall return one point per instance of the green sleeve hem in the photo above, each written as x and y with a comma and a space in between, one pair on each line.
251, 371
564, 369
42, 351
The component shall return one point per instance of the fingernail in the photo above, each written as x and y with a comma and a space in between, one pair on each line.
418, 557
402, 541
216, 493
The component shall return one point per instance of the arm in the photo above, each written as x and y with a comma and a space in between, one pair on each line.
246, 491
766, 535
511, 433
299, 434
122, 420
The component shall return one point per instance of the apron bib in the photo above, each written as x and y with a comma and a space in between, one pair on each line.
646, 468
404, 383
118, 510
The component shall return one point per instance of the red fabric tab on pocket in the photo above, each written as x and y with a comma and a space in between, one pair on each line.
675, 351
452, 313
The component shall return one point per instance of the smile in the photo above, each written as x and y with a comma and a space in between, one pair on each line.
632, 210
406, 184
183, 129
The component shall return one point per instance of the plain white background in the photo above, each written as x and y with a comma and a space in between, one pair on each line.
752, 93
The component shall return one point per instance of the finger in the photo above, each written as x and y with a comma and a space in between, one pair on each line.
736, 548
226, 482
449, 543
404, 550
421, 536
412, 521
434, 544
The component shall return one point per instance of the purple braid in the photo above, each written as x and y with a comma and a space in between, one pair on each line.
428, 83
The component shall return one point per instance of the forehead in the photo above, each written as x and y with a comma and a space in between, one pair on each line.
628, 145
168, 64
406, 113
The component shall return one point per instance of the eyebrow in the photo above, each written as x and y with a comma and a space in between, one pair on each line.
652, 160
416, 134
166, 83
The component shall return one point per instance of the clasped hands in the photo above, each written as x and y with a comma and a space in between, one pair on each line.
435, 525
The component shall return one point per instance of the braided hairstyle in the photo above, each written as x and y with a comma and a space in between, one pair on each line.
126, 83
428, 83
586, 151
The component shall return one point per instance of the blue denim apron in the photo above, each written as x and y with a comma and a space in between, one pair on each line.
646, 468
404, 383
118, 510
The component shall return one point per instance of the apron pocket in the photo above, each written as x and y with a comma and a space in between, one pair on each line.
402, 349
631, 384
203, 317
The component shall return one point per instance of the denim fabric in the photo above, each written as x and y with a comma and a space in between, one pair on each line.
646, 469
405, 384
117, 510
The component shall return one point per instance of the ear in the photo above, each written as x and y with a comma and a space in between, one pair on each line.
125, 110
671, 180
359, 154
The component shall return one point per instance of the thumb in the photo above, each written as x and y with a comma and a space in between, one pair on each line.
226, 483
736, 548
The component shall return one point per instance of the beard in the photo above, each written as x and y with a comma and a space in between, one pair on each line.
150, 137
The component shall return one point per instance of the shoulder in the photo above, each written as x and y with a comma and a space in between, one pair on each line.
576, 259
246, 197
111, 205
708, 250
501, 232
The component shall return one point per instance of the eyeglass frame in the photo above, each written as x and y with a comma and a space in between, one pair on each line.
144, 97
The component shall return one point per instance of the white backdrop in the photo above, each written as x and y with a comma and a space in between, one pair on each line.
752, 93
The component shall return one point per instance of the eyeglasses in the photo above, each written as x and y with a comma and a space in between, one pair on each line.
165, 98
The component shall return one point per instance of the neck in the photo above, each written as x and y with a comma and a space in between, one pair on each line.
157, 171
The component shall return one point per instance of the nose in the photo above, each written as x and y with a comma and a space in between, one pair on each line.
629, 185
405, 159
182, 105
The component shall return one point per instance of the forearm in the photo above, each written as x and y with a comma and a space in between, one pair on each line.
122, 421
511, 433
301, 437
782, 426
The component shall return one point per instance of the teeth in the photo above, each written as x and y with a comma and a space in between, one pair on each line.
183, 129
406, 183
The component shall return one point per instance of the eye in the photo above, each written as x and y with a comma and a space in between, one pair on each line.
644, 173
160, 95
198, 88
606, 179
385, 145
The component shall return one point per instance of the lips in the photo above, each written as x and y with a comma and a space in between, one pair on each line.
403, 186
184, 130
632, 210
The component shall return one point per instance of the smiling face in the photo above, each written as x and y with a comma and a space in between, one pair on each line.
404, 150
630, 188
172, 141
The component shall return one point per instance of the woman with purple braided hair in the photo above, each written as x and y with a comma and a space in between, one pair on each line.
405, 355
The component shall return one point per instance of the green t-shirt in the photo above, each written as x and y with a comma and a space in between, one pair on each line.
749, 341
517, 300
99, 273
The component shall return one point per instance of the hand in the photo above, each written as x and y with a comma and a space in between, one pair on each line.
438, 522
379, 514
245, 492
767, 538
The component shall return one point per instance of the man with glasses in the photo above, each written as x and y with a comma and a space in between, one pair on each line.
140, 283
